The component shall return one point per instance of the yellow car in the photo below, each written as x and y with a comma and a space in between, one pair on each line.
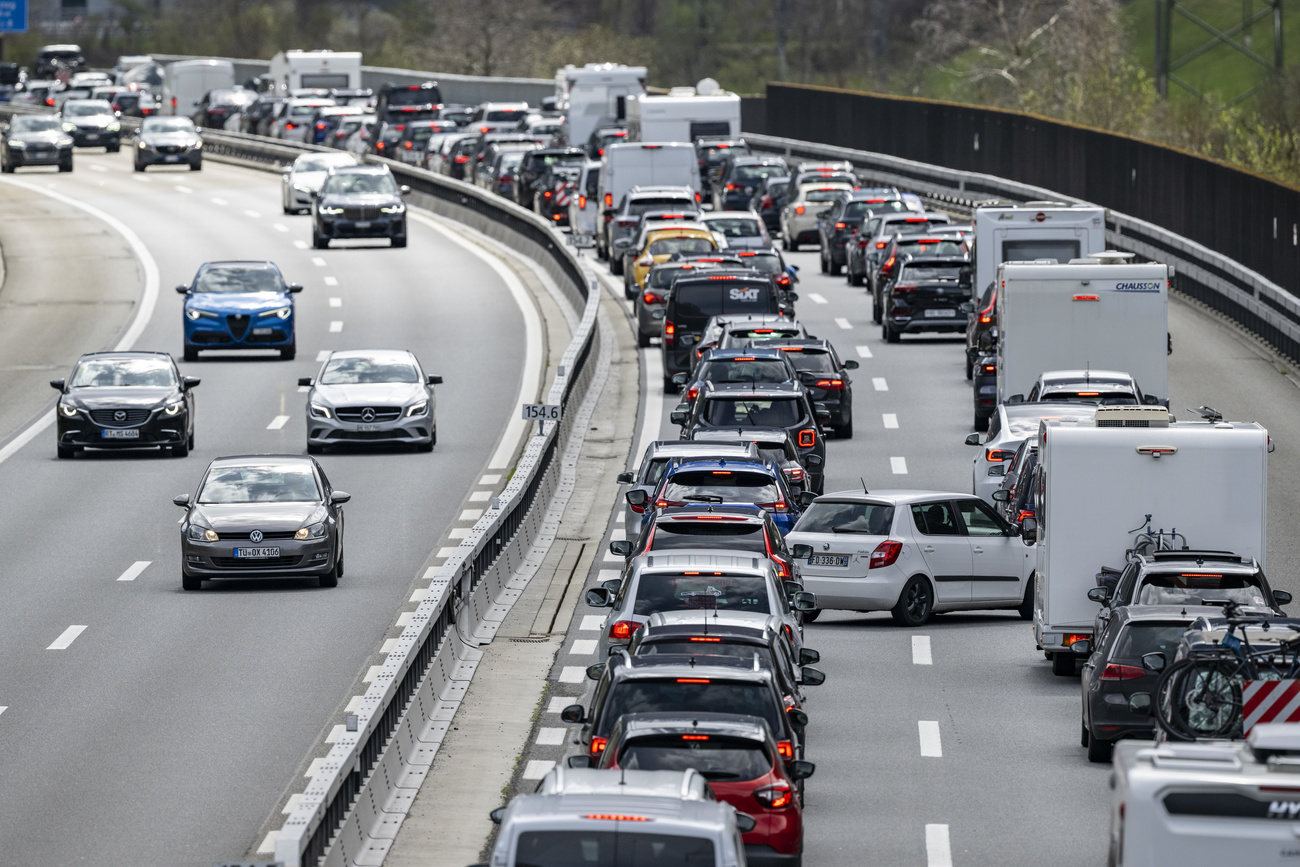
661, 243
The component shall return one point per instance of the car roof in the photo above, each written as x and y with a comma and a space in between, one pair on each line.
802, 344
1098, 376
734, 621
1047, 409
729, 215
1139, 613
731, 353
243, 263
127, 353
360, 170
686, 464
747, 434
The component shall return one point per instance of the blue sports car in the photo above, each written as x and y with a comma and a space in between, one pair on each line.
238, 305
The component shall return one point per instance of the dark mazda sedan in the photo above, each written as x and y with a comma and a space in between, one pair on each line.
263, 516
117, 400
359, 202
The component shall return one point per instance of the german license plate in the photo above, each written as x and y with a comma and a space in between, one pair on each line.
124, 434
263, 331
827, 560
369, 427
171, 159
362, 224
933, 313
256, 553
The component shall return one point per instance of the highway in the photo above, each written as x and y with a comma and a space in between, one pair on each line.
143, 725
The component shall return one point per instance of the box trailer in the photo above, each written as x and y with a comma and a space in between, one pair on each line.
1033, 231
315, 70
624, 166
683, 115
593, 94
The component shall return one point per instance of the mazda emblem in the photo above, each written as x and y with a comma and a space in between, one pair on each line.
367, 414
255, 536
120, 415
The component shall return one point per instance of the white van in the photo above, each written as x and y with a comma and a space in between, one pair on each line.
666, 164
685, 114
1033, 231
188, 80
584, 205
1101, 485
1082, 315
315, 70
595, 93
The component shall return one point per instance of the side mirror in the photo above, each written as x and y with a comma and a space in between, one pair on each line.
1154, 661
338, 498
599, 597
189, 382
404, 190
797, 718
58, 384
622, 548
791, 588
1150, 400
972, 439
638, 497
612, 585
823, 414
807, 498
793, 296
573, 714
1082, 647
677, 417
1001, 496
1016, 398
1029, 531
803, 552
182, 500
966, 307
851, 364
813, 461
579, 761
305, 380
804, 601
985, 341
808, 656
1139, 703
623, 243
596, 671
801, 770
434, 379
745, 822
182, 290
1282, 597
626, 478
497, 815
1100, 595
812, 677
679, 379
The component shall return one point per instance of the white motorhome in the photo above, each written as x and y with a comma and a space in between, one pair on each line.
188, 80
596, 92
1035, 230
624, 166
685, 114
1098, 482
1082, 315
315, 70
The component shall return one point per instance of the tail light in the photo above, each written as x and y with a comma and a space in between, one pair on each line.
880, 245
785, 749
322, 126
986, 315
886, 554
990, 368
995, 455
783, 280
766, 202
598, 745
775, 796
485, 129
669, 330
651, 298
1024, 513
664, 504
778, 506
557, 217
888, 267
782, 568
1071, 638
289, 126
692, 392
623, 629
841, 225
807, 438
49, 100
380, 146
600, 152
697, 197
582, 203
799, 209
406, 145
1122, 672
462, 159
640, 510
547, 194
902, 290
730, 187
831, 384
503, 179
862, 242
609, 200
795, 475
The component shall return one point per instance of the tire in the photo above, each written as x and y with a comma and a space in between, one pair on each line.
890, 335
877, 315
424, 447
854, 279
314, 449
191, 353
289, 351
1084, 736
339, 569
319, 242
821, 260
288, 211
190, 582
112, 149
616, 265
196, 167
1026, 608
189, 441
182, 450
399, 242
65, 167
6, 168
981, 423
785, 245
845, 431
811, 616
835, 267
793, 246
1063, 663
1100, 751
434, 436
915, 604
642, 340
330, 578
137, 166
66, 452
970, 368
670, 387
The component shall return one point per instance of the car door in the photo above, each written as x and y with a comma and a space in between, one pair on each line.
945, 549
1000, 562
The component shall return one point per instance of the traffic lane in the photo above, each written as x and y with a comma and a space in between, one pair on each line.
278, 667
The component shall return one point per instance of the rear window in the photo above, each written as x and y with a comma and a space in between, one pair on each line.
699, 301
728, 535
814, 361
504, 116
748, 370
669, 246
413, 95
711, 696
1194, 587
721, 486
858, 210
761, 263
717, 757
933, 247
705, 592
872, 519
608, 848
640, 206
736, 227
1139, 639
1101, 398
756, 173
821, 195
928, 274
754, 412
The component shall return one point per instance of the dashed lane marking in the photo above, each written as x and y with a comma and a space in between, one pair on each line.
879, 384
921, 650
592, 623
322, 355
331, 281
277, 422
931, 746
938, 850
843, 323
569, 673
890, 419
864, 352
548, 736
817, 298
219, 201
336, 326
318, 261
253, 214
280, 227
537, 768
181, 188
64, 641
898, 466
134, 572
95, 168
336, 302
582, 647
301, 244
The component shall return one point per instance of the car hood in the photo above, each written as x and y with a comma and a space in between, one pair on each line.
237, 302
135, 396
154, 139
92, 120
375, 393
245, 517
43, 137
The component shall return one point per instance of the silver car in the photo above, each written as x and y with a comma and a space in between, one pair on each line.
655, 460
1012, 424
300, 181
800, 215
371, 396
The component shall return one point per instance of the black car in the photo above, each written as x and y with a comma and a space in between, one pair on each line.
712, 153
1014, 498
35, 140
904, 246
396, 96
984, 388
260, 115
826, 376
770, 262
843, 220
168, 141
981, 318
651, 299
698, 298
535, 163
741, 177
217, 106
115, 400
603, 136
92, 123
135, 103
768, 200
927, 296
262, 515
359, 202
54, 58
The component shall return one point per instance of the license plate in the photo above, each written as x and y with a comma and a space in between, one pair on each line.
171, 159
827, 560
939, 314
362, 224
91, 136
369, 427
256, 553
262, 331
125, 434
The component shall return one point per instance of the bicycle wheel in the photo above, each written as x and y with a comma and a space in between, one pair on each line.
1162, 703
1207, 699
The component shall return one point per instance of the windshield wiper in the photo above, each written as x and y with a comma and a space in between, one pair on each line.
703, 498
846, 530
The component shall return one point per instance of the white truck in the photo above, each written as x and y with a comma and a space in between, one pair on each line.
1035, 230
1097, 483
684, 114
315, 70
188, 80
1082, 315
595, 93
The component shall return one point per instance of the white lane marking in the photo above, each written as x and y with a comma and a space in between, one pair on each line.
537, 768
879, 384
322, 355
134, 572
549, 737
64, 641
301, 244
181, 188
620, 518
573, 674
532, 371
95, 168
817, 298
471, 515
267, 845
280, 227
558, 703
583, 647
143, 310
921, 650
277, 422
592, 623
864, 352
898, 466
617, 535
480, 496
336, 326
490, 479
318, 261
331, 281
3, 708
843, 323
938, 850
890, 419
254, 214
336, 302
219, 201
931, 746
142, 179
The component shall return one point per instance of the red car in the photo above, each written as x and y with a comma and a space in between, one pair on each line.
738, 756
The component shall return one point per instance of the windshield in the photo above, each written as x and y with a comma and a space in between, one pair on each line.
609, 848
320, 163
668, 246
168, 124
123, 372
35, 124
232, 97
717, 757
413, 96
872, 519
640, 206
1102, 398
364, 371
712, 592
303, 110
1139, 639
756, 173
238, 279
736, 227
932, 247
721, 486
753, 370
728, 535
353, 184
761, 263
502, 116
711, 696
821, 195
715, 155
754, 412
813, 361
260, 484
86, 109
1178, 588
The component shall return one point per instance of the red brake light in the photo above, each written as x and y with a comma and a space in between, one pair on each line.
786, 749
1073, 637
990, 368
903, 289
547, 194
692, 680
407, 145
916, 220
598, 745
1121, 672
692, 392
1024, 513
1087, 298
648, 147
730, 187
775, 796
705, 638
799, 209
669, 330
609, 200
582, 202
695, 737
765, 202
841, 225
623, 629
995, 455
880, 245
886, 554
617, 817
807, 438
290, 126
831, 384
460, 159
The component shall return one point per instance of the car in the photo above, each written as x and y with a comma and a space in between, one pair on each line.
769, 261
583, 205
218, 106
746, 331
501, 176
301, 180
657, 456
723, 482
293, 122
927, 297
904, 246
1099, 387
359, 202
168, 141
371, 396
135, 103
256, 119
774, 446
555, 189
661, 242
602, 137
825, 376
1014, 499
348, 126
626, 219
659, 218
92, 123
651, 299
737, 528
55, 58
981, 318
745, 405
712, 153
325, 120
866, 250
803, 209
438, 160
741, 177
502, 141
115, 400
697, 298
740, 228
488, 156
1009, 426
35, 140
544, 127
766, 366
913, 554
534, 164
984, 388
265, 516
845, 217
768, 200
498, 116
239, 305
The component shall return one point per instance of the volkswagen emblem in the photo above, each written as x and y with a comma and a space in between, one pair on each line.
367, 414
119, 415
255, 536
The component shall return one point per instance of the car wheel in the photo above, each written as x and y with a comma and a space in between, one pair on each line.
915, 604
1099, 750
190, 582
191, 353
181, 450
793, 246
811, 616
289, 351
981, 423
189, 441
65, 167
330, 578
642, 340
314, 449
290, 211
138, 166
66, 452
890, 335
844, 431
6, 168
112, 149
970, 368
854, 279
821, 260
835, 267
785, 245
670, 387
1063, 663
1084, 737
196, 166
1026, 609
399, 242
320, 242
616, 265
876, 313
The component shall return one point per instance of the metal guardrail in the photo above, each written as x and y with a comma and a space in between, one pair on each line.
1229, 287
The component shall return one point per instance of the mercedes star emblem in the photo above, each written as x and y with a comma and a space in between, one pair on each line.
120, 415
255, 536
367, 414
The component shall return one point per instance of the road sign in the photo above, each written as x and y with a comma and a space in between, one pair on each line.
536, 411
13, 16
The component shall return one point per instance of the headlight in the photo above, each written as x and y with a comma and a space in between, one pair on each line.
113, 127
14, 143
202, 534
330, 211
142, 145
282, 312
418, 409
302, 189
69, 127
68, 410
320, 411
64, 142
314, 531
393, 209
198, 143
174, 408
194, 314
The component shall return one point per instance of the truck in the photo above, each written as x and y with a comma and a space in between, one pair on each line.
595, 93
1097, 313
1101, 487
188, 80
1033, 231
684, 114
314, 70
